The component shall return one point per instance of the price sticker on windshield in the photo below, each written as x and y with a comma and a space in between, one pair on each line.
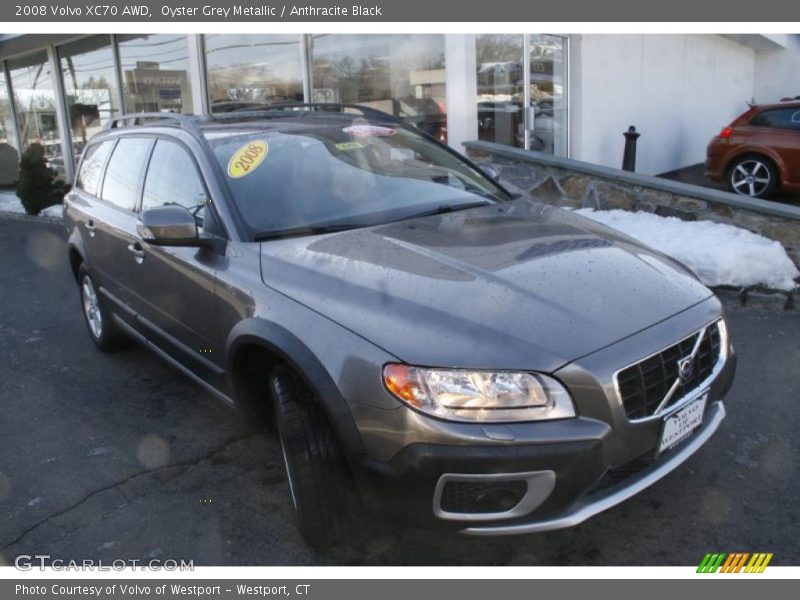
369, 131
247, 158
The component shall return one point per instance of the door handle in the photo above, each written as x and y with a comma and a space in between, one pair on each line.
138, 253
90, 227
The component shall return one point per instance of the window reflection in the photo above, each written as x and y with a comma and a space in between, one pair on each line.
501, 91
248, 71
548, 93
6, 119
88, 72
35, 100
500, 83
8, 145
172, 179
155, 73
124, 171
403, 75
92, 167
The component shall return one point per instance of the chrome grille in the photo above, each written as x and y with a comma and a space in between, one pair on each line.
652, 385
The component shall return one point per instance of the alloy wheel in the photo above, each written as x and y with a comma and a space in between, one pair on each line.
751, 178
91, 307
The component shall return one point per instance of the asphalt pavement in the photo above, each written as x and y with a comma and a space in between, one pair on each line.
109, 456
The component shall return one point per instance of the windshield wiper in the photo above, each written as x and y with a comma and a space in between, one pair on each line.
306, 230
335, 227
447, 208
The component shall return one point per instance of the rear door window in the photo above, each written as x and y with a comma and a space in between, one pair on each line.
91, 171
780, 118
124, 172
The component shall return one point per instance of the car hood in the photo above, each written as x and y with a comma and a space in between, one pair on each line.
514, 286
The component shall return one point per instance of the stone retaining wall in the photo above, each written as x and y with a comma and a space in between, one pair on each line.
575, 184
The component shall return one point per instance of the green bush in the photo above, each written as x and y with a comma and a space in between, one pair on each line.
38, 187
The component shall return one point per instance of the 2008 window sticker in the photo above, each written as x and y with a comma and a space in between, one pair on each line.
247, 158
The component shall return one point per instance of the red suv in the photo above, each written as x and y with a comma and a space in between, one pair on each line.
759, 152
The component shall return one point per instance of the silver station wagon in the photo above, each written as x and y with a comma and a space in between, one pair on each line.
427, 346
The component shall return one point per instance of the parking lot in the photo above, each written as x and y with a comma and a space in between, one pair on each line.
120, 456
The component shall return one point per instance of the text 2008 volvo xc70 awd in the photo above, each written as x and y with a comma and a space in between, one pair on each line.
427, 345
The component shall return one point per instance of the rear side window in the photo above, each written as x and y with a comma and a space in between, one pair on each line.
92, 167
172, 178
781, 118
124, 172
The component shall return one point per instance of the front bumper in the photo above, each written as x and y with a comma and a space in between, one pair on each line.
592, 504
573, 468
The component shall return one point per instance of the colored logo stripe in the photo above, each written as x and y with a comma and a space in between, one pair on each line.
734, 562
758, 563
711, 563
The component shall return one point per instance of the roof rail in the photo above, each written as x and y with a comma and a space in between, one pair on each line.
185, 121
319, 106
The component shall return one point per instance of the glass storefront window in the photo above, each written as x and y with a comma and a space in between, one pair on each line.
6, 116
403, 75
35, 101
501, 81
9, 158
247, 71
548, 84
155, 74
90, 86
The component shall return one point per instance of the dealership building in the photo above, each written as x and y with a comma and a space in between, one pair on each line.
568, 95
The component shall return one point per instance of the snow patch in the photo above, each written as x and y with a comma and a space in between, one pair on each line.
54, 211
10, 203
719, 254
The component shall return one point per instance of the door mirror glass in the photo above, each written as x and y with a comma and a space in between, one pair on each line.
490, 172
168, 226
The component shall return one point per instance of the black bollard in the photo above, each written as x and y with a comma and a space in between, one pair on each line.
629, 156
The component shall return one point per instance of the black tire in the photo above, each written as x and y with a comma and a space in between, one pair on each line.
104, 332
752, 175
320, 482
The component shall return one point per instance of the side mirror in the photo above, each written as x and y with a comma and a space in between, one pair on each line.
174, 226
168, 226
490, 172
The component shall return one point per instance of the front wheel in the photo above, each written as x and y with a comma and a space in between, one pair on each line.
752, 176
320, 483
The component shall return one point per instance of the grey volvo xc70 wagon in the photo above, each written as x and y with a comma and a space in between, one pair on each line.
427, 346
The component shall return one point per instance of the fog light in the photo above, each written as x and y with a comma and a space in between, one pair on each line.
475, 497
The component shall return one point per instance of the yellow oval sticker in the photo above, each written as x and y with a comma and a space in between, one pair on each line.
247, 158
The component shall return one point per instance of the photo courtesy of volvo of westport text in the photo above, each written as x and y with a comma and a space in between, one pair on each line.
124, 589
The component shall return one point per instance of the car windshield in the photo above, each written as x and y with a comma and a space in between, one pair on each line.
312, 178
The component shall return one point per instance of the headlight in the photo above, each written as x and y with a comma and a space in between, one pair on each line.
479, 395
